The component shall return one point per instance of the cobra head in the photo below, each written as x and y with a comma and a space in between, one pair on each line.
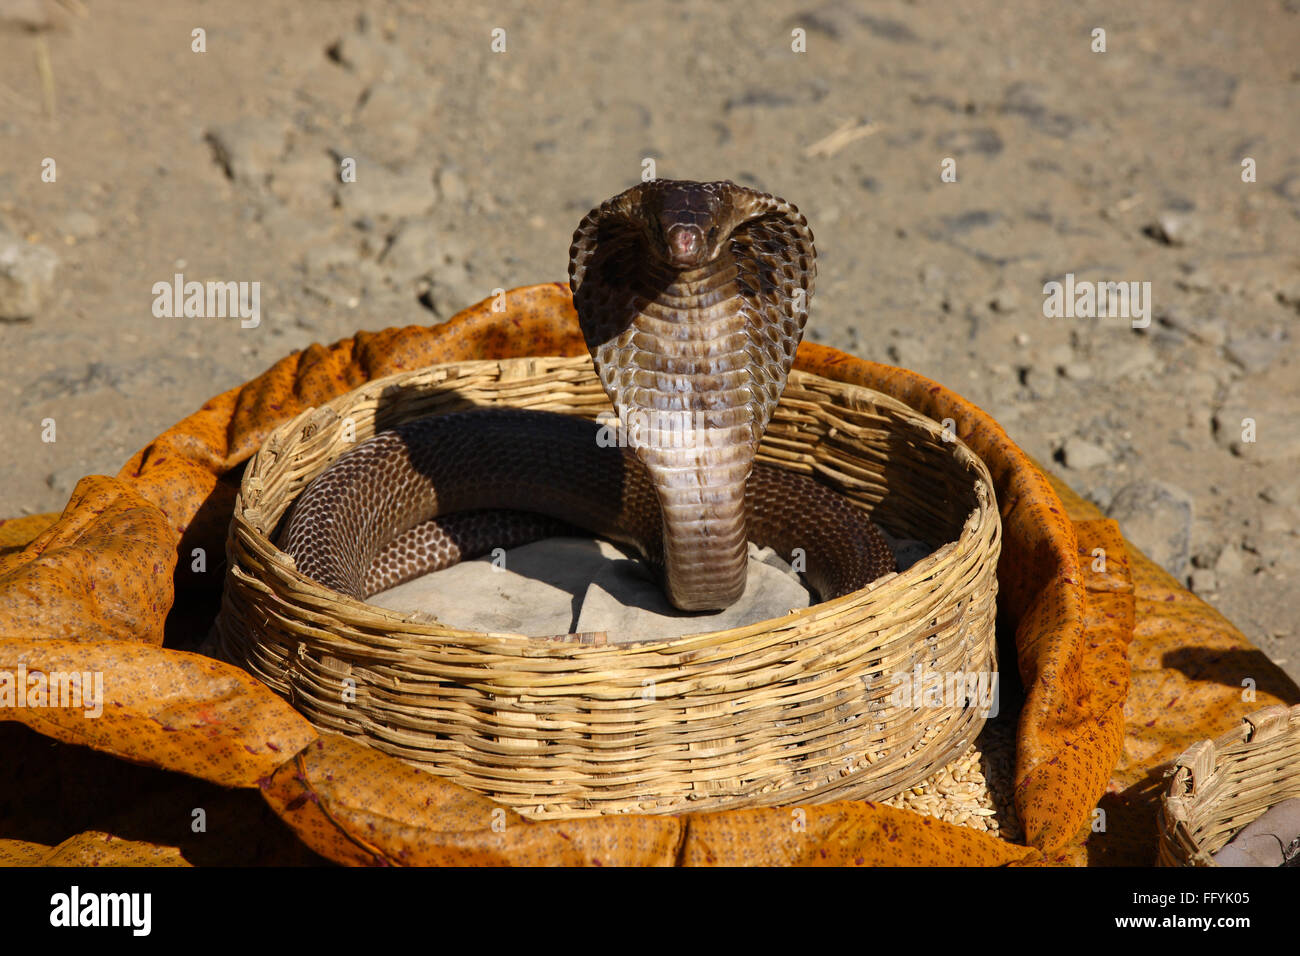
692, 299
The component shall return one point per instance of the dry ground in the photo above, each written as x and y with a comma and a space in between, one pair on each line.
1123, 165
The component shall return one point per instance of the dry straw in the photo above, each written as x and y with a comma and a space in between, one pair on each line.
802, 708
1218, 787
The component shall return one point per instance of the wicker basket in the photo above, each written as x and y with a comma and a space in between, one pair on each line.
795, 709
1218, 787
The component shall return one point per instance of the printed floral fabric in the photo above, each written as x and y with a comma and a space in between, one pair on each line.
1122, 668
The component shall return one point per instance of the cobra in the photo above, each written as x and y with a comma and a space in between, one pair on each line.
692, 298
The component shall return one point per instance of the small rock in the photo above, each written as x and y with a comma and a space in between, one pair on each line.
1254, 353
1157, 518
1041, 384
1288, 293
420, 249
27, 274
369, 57
306, 180
1229, 563
1080, 454
931, 275
1212, 332
1173, 229
386, 123
449, 287
1099, 494
1004, 300
388, 104
1136, 356
1077, 371
1287, 494
1197, 281
1204, 581
250, 148
1167, 338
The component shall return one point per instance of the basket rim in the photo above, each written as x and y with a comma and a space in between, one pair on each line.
1255, 727
974, 526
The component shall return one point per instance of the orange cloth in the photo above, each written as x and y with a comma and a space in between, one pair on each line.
92, 591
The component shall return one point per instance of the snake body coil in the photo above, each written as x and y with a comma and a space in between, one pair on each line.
692, 298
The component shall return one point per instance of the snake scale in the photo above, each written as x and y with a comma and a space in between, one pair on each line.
692, 298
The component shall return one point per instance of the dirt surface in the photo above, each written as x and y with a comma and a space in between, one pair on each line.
473, 166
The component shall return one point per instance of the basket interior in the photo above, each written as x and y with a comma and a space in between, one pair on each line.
891, 461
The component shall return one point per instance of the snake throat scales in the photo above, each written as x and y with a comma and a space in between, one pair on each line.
692, 298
